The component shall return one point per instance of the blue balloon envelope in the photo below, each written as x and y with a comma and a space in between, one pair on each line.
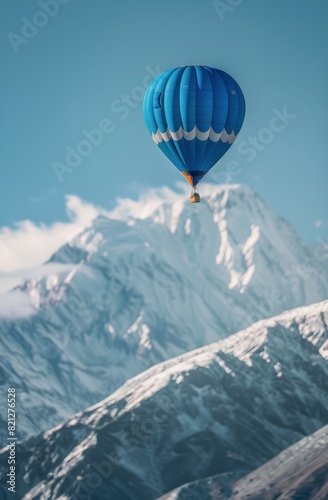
194, 114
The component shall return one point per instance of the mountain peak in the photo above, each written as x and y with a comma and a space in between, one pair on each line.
164, 205
232, 228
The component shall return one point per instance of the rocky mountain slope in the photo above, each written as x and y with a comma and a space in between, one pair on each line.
226, 408
299, 472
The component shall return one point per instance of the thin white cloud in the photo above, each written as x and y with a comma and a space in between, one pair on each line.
319, 223
16, 304
10, 280
28, 245
147, 203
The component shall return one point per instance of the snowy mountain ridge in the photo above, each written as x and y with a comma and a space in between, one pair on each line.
190, 417
300, 471
309, 322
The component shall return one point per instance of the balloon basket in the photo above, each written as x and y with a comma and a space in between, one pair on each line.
194, 196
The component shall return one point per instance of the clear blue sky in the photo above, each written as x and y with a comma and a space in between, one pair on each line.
75, 70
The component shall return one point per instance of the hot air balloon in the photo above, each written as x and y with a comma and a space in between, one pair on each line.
194, 114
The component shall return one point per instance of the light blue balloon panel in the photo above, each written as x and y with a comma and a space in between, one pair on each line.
194, 114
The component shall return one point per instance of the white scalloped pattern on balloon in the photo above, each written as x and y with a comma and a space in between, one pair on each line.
189, 136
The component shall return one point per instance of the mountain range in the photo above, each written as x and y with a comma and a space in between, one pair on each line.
151, 280
224, 409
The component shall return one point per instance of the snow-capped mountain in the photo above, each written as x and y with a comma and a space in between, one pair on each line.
299, 472
155, 278
226, 408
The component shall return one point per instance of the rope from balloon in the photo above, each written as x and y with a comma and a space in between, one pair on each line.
194, 196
